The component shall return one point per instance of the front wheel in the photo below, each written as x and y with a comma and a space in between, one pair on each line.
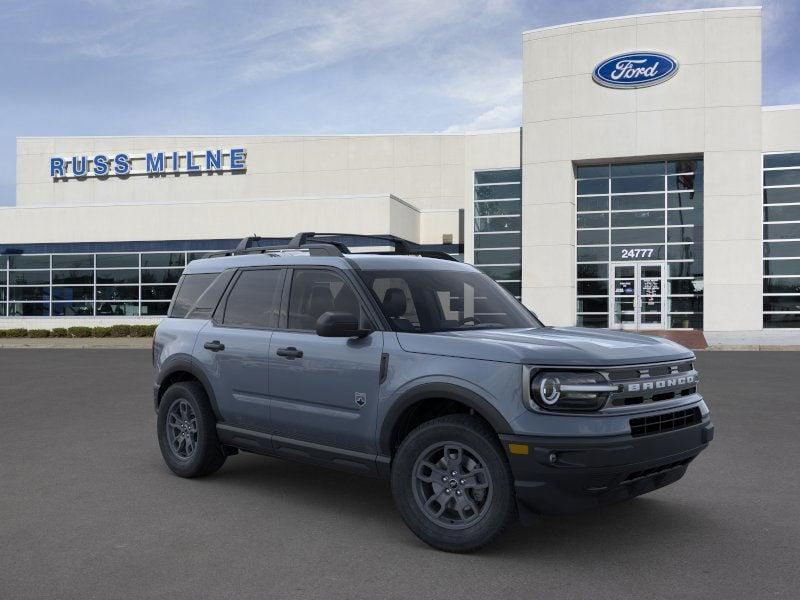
187, 432
452, 484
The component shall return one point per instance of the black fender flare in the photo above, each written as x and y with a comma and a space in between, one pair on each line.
184, 363
447, 391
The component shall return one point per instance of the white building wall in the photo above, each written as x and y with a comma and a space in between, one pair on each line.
711, 107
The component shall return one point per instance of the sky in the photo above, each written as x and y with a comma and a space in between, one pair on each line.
161, 67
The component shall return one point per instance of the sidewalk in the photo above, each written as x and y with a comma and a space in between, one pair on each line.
764, 339
77, 343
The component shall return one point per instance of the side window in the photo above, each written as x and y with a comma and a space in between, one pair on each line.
315, 292
189, 290
398, 304
255, 299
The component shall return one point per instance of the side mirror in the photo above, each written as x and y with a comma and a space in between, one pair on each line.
340, 324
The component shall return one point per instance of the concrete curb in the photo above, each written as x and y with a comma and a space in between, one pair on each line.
754, 348
77, 343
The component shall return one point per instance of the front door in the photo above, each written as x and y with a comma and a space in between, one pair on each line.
636, 300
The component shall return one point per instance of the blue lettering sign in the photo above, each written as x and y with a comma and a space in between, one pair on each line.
213, 160
155, 163
56, 167
190, 166
635, 70
237, 159
121, 164
176, 162
79, 167
100, 165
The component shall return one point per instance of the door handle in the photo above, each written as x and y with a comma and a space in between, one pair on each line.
215, 346
290, 352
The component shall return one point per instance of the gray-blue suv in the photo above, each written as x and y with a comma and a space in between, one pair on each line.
408, 365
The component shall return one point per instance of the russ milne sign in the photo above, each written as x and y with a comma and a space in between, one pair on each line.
635, 70
151, 163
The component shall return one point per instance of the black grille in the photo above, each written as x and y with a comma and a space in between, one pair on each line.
628, 373
665, 422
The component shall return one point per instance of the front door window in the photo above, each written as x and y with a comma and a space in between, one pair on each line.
637, 295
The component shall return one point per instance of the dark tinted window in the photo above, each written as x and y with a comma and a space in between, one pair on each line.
254, 299
317, 292
189, 291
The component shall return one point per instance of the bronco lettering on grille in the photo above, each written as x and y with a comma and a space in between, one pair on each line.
659, 384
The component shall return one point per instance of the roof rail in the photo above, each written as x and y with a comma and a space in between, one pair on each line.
316, 246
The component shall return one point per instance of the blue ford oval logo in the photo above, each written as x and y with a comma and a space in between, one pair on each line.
635, 70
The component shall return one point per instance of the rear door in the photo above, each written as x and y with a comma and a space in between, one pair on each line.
233, 347
324, 390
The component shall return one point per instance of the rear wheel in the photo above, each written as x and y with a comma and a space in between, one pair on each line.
187, 433
452, 484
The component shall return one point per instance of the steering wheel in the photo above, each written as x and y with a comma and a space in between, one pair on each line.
465, 320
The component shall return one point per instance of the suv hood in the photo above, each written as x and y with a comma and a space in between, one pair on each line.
547, 346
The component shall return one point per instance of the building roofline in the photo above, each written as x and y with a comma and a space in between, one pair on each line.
781, 107
652, 14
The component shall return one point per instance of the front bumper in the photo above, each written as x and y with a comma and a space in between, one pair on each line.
561, 475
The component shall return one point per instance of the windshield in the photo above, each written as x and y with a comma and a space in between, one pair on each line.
418, 301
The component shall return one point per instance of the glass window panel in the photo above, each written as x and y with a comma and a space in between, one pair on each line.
782, 303
782, 285
591, 171
684, 217
196, 255
787, 320
782, 249
117, 309
680, 252
157, 292
2, 294
118, 276
497, 208
684, 182
28, 309
593, 305
637, 184
500, 176
686, 286
494, 192
684, 166
163, 259
513, 288
782, 267
782, 160
640, 252
593, 288
3, 261
788, 177
29, 277
161, 275
782, 213
685, 200
2, 310
313, 292
640, 218
73, 277
593, 186
651, 168
592, 271
782, 231
498, 224
782, 195
124, 292
26, 261
694, 304
2, 277
680, 234
682, 269
498, 240
637, 236
497, 257
73, 309
29, 293
592, 236
117, 260
592, 320
73, 261
596, 203
84, 292
686, 321
502, 272
154, 309
637, 202
592, 254
593, 220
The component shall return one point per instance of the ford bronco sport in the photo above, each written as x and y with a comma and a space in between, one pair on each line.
412, 366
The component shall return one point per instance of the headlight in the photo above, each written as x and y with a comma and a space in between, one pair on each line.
566, 390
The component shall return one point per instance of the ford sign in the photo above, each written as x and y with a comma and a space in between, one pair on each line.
635, 70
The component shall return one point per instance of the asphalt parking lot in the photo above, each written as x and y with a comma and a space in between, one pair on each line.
88, 510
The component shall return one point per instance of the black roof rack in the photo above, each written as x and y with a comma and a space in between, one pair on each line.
317, 245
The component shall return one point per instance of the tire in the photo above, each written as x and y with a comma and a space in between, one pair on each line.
480, 503
190, 446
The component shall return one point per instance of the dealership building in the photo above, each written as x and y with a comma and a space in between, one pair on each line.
646, 188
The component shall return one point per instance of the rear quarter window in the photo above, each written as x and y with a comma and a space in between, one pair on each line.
190, 288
